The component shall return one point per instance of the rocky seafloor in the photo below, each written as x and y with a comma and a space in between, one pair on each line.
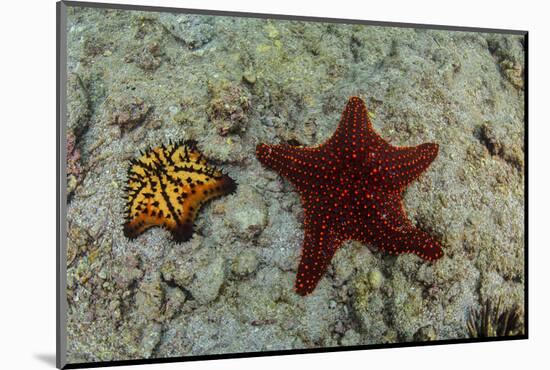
139, 79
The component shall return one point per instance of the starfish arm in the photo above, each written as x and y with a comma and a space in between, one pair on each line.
301, 166
317, 251
410, 240
352, 132
393, 232
355, 133
398, 167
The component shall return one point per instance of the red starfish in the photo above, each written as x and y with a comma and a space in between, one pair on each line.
352, 188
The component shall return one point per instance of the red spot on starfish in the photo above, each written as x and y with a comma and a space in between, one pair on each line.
352, 188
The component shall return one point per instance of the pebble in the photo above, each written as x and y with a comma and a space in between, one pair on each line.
249, 77
245, 263
247, 213
208, 281
375, 279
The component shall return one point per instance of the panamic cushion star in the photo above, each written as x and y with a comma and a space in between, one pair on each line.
166, 187
351, 187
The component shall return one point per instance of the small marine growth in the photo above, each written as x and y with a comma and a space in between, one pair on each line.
494, 321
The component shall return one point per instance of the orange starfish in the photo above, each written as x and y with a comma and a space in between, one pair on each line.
166, 187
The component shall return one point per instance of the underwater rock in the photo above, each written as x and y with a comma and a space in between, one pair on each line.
509, 54
246, 212
350, 338
376, 279
149, 58
174, 300
208, 281
316, 315
245, 263
152, 335
250, 77
502, 142
367, 304
426, 333
127, 112
78, 106
342, 263
178, 275
194, 32
150, 297
261, 304
77, 242
228, 106
127, 271
74, 167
